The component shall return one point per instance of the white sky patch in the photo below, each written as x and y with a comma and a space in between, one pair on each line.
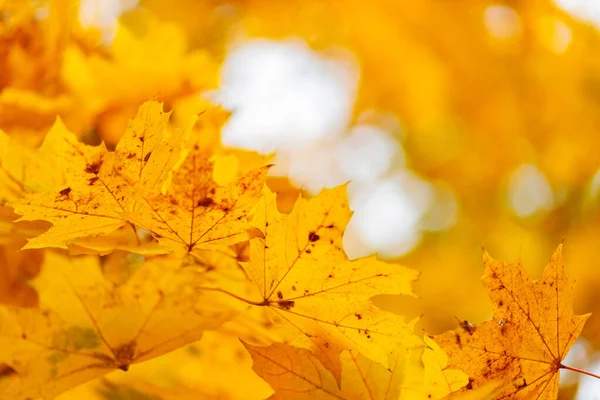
103, 14
364, 154
502, 22
387, 215
285, 96
529, 191
367, 152
577, 357
589, 387
585, 10
312, 168
289, 99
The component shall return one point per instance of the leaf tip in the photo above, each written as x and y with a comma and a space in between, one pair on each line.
486, 256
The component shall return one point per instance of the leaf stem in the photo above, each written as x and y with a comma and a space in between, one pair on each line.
137, 236
581, 371
235, 296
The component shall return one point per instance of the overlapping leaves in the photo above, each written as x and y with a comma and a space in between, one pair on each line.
106, 190
87, 326
312, 329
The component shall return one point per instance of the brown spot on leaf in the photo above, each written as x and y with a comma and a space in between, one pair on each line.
467, 326
458, 341
470, 384
93, 180
147, 156
65, 191
313, 237
358, 316
205, 202
6, 371
286, 304
94, 167
279, 295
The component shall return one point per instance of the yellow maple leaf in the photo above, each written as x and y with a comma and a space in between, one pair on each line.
314, 297
297, 374
101, 183
87, 326
195, 212
531, 332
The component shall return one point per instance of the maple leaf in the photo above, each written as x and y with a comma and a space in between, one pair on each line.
531, 332
297, 374
101, 183
196, 212
87, 326
314, 295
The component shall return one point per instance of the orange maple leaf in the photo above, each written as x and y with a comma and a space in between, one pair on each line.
196, 212
531, 332
297, 374
100, 183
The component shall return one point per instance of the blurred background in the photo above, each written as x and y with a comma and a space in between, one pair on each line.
459, 124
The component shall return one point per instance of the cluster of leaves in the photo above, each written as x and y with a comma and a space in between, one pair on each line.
155, 195
201, 245
144, 248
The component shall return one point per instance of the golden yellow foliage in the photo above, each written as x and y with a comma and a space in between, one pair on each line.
141, 259
532, 330
315, 295
100, 184
87, 326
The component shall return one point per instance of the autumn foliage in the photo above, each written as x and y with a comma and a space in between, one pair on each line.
140, 258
